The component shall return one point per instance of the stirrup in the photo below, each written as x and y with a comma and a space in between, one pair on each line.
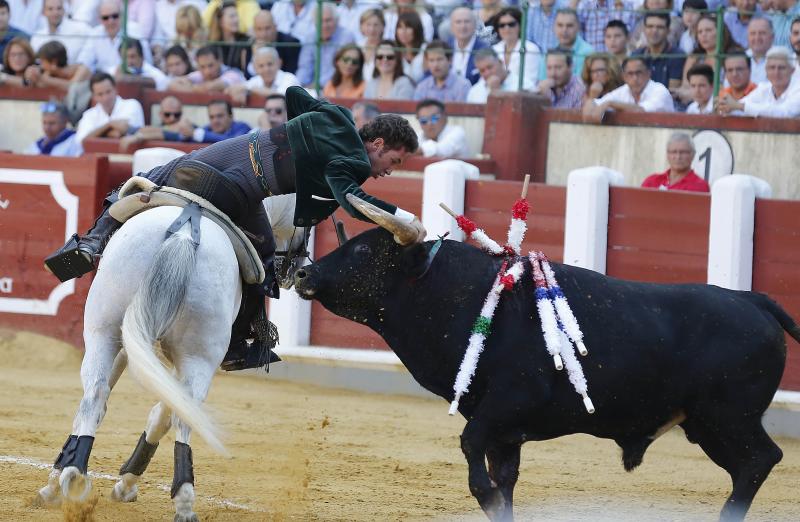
255, 354
69, 262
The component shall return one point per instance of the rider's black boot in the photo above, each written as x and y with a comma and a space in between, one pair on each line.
253, 336
81, 253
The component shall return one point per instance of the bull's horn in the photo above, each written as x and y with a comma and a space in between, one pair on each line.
404, 232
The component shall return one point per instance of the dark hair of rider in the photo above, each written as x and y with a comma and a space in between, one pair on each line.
395, 131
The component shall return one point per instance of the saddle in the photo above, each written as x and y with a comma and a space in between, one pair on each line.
139, 194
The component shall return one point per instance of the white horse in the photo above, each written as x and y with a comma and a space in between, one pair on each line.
153, 289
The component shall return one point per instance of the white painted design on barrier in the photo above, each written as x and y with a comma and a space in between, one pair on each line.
69, 202
6, 285
4, 203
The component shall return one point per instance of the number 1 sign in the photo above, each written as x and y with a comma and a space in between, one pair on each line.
713, 155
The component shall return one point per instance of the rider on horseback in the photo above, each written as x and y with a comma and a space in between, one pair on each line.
318, 154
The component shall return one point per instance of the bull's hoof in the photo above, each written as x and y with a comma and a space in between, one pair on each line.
494, 505
48, 496
75, 486
121, 493
191, 517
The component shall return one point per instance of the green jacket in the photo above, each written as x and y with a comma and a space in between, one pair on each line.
330, 160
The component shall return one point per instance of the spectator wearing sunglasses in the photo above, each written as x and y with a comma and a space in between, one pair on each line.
508, 24
269, 78
388, 81
174, 127
102, 50
438, 138
58, 139
275, 113
348, 79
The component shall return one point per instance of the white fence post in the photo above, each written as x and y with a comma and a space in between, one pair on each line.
444, 183
586, 223
291, 314
730, 235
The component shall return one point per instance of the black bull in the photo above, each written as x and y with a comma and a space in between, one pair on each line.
706, 358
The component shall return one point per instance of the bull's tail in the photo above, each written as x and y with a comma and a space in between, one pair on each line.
151, 312
784, 319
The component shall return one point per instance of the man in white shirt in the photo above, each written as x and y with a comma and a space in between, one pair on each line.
101, 52
25, 14
701, 81
269, 78
55, 26
760, 36
494, 77
778, 97
58, 140
138, 67
111, 116
295, 18
437, 137
638, 94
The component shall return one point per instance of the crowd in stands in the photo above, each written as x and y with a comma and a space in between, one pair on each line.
592, 56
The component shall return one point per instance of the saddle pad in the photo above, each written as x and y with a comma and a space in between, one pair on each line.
131, 203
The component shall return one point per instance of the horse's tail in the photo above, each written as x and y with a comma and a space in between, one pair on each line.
151, 312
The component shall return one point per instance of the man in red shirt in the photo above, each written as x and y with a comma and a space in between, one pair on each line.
679, 175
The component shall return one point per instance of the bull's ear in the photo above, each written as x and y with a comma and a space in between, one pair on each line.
414, 259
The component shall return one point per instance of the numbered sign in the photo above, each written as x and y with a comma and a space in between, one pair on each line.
713, 157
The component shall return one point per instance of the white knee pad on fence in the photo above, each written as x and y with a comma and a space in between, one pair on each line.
145, 160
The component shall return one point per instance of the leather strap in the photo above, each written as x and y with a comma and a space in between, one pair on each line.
192, 214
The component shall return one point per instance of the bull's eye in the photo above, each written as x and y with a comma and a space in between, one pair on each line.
362, 251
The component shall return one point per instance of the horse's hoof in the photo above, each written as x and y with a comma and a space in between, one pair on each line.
191, 517
48, 496
74, 485
121, 495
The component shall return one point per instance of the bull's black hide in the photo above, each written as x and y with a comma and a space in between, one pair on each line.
704, 357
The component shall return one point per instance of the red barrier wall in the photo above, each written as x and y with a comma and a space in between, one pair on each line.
43, 200
488, 203
776, 268
658, 236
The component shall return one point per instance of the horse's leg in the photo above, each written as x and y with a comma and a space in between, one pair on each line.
69, 471
158, 423
196, 377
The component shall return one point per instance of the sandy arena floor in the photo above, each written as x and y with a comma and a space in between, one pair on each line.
311, 453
